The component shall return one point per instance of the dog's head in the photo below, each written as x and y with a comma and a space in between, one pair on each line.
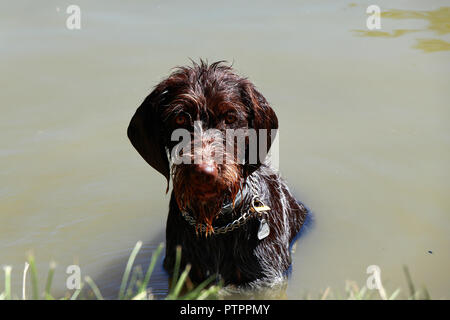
209, 104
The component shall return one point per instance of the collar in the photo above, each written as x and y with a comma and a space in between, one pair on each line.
255, 208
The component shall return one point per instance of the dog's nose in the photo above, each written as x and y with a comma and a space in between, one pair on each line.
205, 172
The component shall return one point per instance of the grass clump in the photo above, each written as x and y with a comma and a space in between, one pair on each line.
134, 285
354, 292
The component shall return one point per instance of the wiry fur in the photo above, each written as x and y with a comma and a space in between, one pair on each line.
239, 257
208, 93
210, 149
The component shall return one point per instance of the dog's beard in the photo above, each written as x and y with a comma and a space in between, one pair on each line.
205, 212
205, 209
190, 195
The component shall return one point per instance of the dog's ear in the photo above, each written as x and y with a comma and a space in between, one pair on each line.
261, 116
146, 134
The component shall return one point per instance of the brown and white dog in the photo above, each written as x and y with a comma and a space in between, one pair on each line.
234, 219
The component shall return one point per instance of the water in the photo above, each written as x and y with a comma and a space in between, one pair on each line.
364, 137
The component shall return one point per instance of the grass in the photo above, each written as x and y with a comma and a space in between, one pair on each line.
134, 285
353, 292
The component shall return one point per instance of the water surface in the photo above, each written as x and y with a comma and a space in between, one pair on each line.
364, 136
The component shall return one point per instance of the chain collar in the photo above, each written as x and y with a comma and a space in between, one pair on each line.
257, 208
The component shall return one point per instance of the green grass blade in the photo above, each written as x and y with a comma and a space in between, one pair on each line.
140, 296
34, 280
48, 285
325, 294
426, 294
77, 293
362, 293
412, 289
24, 281
395, 294
134, 283
198, 290
207, 293
179, 285
176, 268
7, 293
130, 262
94, 288
151, 267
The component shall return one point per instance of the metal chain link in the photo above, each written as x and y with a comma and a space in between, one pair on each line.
232, 225
220, 230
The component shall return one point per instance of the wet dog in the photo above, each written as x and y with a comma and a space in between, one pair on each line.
230, 212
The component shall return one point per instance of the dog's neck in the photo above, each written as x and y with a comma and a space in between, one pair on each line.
229, 205
240, 209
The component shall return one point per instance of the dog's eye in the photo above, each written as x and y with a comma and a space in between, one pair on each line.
180, 120
230, 118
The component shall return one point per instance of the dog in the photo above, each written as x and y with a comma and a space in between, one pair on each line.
234, 219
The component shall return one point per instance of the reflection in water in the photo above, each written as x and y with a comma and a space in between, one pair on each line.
432, 45
439, 19
438, 23
382, 34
